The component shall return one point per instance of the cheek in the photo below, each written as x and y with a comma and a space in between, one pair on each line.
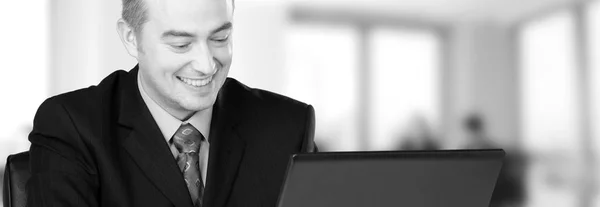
223, 54
164, 61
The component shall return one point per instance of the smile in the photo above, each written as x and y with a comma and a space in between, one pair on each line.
196, 82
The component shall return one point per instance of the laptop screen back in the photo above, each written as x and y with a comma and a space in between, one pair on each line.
462, 178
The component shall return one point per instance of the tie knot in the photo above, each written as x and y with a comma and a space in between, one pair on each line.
187, 139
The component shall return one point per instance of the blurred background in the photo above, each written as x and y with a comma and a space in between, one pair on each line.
523, 75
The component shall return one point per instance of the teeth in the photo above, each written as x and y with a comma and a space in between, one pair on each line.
196, 83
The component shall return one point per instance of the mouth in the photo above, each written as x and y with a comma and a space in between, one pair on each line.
196, 82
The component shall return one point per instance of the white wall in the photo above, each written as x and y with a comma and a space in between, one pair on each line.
84, 43
23, 65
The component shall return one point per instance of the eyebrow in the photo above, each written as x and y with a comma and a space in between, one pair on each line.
175, 33
225, 26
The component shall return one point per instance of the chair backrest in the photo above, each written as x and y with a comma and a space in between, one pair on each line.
16, 175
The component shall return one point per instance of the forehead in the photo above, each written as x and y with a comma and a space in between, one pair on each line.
189, 14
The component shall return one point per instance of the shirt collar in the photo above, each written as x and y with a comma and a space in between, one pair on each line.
168, 124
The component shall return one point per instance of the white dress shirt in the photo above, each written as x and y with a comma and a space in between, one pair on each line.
168, 125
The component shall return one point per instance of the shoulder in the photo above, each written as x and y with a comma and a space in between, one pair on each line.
267, 118
110, 84
73, 123
258, 100
84, 103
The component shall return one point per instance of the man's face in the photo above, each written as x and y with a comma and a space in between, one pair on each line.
184, 53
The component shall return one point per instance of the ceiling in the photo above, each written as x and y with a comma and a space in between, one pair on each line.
444, 10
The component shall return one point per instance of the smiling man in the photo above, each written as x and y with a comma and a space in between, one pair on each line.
172, 131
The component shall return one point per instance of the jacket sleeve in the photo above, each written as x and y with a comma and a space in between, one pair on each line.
308, 143
62, 173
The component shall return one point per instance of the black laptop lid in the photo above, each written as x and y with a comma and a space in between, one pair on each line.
448, 178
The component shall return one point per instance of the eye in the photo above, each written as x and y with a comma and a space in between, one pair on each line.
221, 39
181, 46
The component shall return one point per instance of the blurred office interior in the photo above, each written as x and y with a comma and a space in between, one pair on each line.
523, 75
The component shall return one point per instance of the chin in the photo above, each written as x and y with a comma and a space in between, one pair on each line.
198, 105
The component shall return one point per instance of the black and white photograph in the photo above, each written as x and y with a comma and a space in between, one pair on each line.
294, 103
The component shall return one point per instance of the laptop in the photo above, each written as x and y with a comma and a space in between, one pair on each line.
446, 178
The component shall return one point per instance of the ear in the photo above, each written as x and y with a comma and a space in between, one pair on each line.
128, 37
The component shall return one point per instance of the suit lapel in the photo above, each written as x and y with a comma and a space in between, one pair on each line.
226, 151
146, 145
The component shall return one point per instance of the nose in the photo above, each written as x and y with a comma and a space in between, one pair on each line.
203, 60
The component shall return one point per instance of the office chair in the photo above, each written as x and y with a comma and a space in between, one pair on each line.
16, 175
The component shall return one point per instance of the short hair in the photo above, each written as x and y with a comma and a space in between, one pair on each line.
135, 13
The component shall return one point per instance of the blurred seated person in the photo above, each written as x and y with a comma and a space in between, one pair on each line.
510, 187
476, 134
418, 135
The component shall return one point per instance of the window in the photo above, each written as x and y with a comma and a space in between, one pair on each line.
551, 128
325, 66
549, 84
322, 70
404, 81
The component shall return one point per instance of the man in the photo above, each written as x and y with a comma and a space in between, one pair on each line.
174, 130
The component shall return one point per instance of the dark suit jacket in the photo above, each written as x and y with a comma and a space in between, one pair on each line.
100, 146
